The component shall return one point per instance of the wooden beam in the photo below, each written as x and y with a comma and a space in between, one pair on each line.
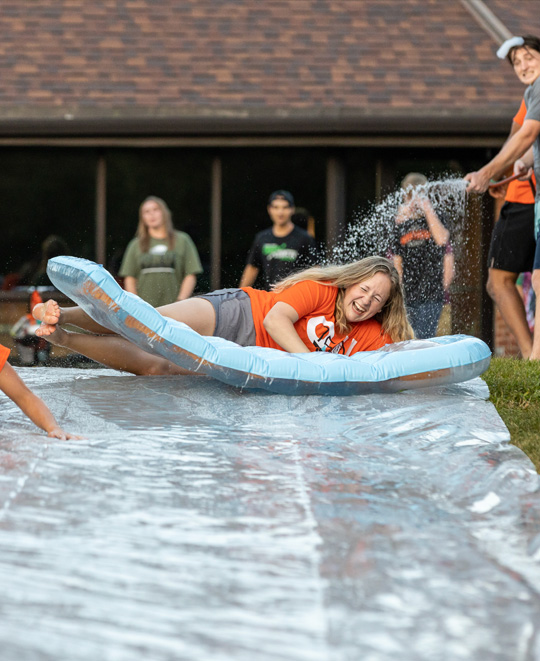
215, 224
101, 210
335, 200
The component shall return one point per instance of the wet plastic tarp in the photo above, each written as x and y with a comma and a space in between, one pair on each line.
201, 522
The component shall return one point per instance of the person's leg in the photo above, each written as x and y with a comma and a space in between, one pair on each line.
535, 352
424, 318
512, 251
501, 286
417, 321
116, 352
197, 313
112, 351
432, 316
535, 281
51, 313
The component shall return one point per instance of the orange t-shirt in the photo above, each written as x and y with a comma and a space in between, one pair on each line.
520, 191
4, 353
315, 304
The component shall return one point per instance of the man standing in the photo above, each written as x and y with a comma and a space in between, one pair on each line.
524, 55
280, 249
512, 249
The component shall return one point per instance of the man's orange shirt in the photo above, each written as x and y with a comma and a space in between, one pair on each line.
315, 304
520, 191
4, 353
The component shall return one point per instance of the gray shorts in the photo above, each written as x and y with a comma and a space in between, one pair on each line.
234, 319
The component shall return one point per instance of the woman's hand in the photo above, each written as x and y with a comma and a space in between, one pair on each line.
57, 432
279, 324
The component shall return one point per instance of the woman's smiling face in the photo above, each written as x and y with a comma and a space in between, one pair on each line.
367, 298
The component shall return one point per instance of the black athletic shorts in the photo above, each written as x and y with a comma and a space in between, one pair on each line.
512, 242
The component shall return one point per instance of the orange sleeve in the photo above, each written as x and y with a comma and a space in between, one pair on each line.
519, 117
4, 353
520, 191
307, 296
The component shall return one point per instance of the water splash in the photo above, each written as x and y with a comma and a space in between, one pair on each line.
371, 233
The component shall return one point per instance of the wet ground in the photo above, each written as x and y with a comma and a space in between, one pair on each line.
197, 521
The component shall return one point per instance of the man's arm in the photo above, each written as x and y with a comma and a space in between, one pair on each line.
511, 151
525, 164
249, 276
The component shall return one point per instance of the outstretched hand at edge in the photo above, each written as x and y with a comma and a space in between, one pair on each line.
59, 433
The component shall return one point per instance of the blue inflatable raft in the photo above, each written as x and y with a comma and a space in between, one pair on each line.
400, 366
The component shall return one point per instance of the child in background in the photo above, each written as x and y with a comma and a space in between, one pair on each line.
35, 408
421, 256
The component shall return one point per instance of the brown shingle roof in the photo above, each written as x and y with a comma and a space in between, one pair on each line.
519, 17
248, 58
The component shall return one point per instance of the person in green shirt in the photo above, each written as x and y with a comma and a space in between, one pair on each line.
160, 264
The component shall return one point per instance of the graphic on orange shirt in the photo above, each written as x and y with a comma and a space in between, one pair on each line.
315, 305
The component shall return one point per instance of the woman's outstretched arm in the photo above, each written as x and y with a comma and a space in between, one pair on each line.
30, 404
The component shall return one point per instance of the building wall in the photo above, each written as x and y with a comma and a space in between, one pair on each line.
53, 191
504, 343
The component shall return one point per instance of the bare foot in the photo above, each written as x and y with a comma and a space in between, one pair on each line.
47, 313
53, 333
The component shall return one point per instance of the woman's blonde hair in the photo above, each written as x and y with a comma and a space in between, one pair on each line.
393, 316
142, 230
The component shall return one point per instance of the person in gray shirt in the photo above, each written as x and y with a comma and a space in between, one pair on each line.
523, 148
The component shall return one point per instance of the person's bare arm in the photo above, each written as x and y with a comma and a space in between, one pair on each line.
398, 263
249, 276
130, 284
438, 231
279, 324
187, 287
448, 270
30, 404
524, 165
514, 149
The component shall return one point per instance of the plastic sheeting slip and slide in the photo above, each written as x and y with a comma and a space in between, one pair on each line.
198, 522
404, 365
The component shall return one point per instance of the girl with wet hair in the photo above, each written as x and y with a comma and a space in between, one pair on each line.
393, 317
339, 309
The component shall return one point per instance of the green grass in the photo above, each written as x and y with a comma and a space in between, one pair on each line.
515, 391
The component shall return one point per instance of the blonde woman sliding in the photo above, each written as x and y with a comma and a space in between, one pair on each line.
340, 309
